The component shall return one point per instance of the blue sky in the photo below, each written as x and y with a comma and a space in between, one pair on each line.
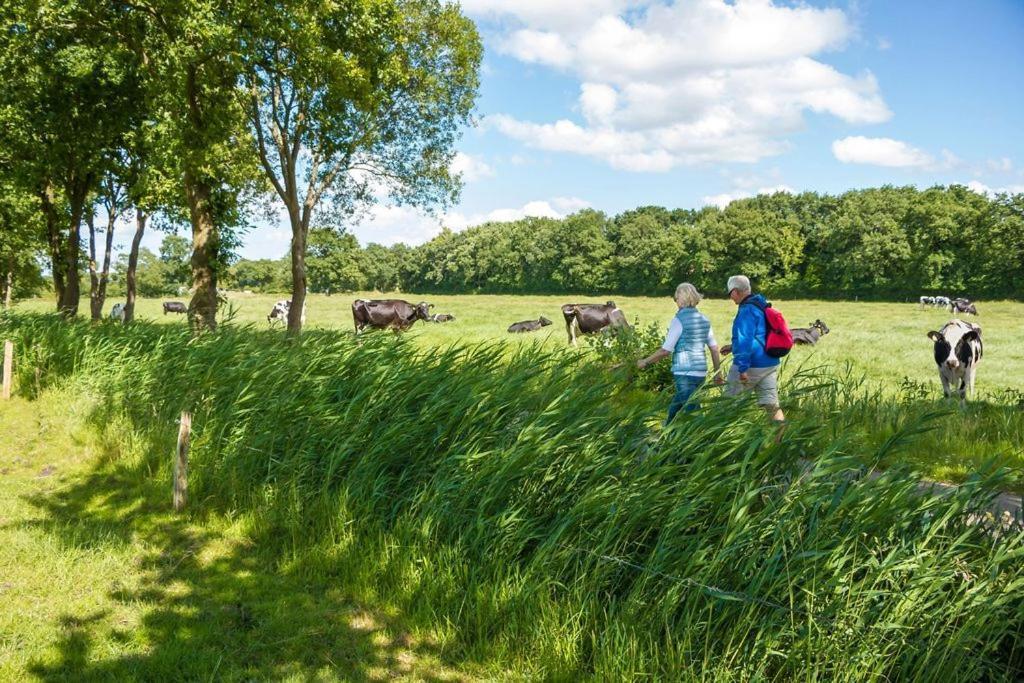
614, 104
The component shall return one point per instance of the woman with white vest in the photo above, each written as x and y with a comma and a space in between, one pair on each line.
688, 333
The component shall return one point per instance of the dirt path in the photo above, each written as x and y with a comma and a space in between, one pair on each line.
99, 581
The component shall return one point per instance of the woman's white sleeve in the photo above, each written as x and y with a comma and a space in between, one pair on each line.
675, 328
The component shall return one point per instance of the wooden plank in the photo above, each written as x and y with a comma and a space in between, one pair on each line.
8, 368
181, 462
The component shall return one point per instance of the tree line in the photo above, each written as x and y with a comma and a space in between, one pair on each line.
887, 242
201, 114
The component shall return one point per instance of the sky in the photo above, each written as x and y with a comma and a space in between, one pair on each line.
614, 104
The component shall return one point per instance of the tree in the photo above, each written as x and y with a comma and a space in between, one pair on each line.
334, 261
21, 243
347, 101
191, 53
113, 198
174, 252
67, 94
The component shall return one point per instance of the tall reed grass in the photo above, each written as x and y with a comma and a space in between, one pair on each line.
533, 504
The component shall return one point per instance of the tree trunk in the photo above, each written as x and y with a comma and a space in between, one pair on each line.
95, 305
9, 283
72, 254
299, 238
107, 249
202, 310
47, 199
133, 262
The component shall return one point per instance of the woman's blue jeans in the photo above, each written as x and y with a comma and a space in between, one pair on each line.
686, 385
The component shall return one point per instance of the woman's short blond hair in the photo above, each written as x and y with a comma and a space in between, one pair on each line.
687, 295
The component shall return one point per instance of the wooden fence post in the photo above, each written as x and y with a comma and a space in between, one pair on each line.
8, 367
181, 462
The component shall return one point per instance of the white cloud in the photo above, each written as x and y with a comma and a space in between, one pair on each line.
471, 168
558, 207
858, 149
664, 84
982, 188
723, 200
1001, 165
387, 224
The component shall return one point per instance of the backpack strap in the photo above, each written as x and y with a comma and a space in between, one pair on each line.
767, 325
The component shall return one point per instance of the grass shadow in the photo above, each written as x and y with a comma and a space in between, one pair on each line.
211, 604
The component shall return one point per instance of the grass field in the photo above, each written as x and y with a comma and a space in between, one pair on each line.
100, 581
885, 342
389, 508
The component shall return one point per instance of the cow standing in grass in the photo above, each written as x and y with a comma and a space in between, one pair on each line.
958, 350
590, 318
174, 307
395, 314
280, 312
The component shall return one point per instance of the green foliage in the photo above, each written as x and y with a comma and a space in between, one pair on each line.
524, 501
620, 348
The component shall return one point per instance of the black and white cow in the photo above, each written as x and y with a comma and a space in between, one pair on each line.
590, 318
442, 318
942, 302
117, 312
174, 307
962, 306
958, 350
528, 325
926, 301
280, 312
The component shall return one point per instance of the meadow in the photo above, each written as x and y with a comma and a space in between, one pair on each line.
455, 504
884, 342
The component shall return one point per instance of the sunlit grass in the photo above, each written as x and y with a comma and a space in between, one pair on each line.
526, 503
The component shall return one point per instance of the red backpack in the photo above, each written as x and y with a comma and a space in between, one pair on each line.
778, 339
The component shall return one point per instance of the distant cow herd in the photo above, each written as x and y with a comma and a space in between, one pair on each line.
958, 305
957, 345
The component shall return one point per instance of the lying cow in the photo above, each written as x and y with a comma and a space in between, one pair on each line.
958, 350
529, 325
280, 312
590, 318
442, 318
174, 307
117, 312
810, 335
381, 314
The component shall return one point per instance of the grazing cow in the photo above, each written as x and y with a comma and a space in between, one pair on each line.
810, 335
942, 301
396, 314
280, 312
958, 350
442, 318
590, 318
962, 306
529, 325
117, 312
174, 307
926, 301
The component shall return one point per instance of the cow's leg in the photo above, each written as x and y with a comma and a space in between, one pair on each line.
970, 380
945, 384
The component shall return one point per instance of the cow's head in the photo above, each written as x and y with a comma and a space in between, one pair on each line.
953, 349
821, 326
544, 321
422, 311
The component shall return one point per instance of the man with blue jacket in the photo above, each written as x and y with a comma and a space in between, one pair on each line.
752, 368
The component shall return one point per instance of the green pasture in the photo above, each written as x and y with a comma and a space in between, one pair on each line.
884, 342
391, 508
